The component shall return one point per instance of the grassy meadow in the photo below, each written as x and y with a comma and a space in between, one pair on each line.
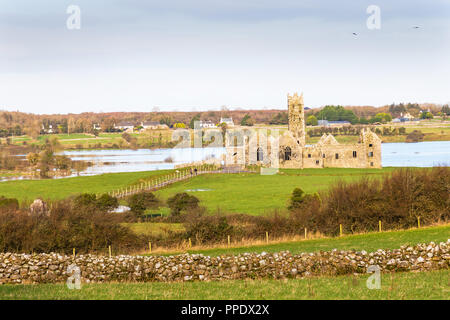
369, 242
248, 193
90, 141
397, 286
261, 194
56, 189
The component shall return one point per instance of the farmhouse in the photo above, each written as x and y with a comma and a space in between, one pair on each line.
153, 125
125, 125
206, 124
228, 121
289, 149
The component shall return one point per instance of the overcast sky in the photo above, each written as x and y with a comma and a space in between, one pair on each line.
202, 54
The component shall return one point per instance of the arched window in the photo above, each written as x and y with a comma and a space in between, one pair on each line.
287, 153
259, 154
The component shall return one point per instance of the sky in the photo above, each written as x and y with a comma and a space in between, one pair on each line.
193, 55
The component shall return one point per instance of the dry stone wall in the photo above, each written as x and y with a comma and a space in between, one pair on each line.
52, 268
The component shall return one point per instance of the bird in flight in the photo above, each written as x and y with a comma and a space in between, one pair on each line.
416, 27
355, 34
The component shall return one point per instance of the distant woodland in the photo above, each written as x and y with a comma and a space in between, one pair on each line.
19, 123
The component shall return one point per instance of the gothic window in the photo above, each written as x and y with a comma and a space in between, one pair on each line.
317, 162
323, 156
287, 153
309, 155
370, 145
354, 154
259, 154
337, 155
371, 154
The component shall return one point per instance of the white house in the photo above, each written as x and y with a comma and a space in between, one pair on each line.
125, 126
150, 124
228, 121
207, 124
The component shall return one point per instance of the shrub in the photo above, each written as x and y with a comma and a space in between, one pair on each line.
85, 199
142, 201
397, 199
9, 203
208, 229
182, 202
66, 227
106, 202
296, 199
415, 136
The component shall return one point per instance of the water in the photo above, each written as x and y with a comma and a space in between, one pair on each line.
109, 161
419, 154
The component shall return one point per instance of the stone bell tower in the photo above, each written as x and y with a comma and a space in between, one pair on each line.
296, 114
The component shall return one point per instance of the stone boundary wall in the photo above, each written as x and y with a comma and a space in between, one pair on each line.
52, 268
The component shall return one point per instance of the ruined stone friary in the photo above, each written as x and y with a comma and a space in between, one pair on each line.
245, 147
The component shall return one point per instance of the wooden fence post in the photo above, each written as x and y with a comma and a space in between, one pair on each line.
379, 226
418, 222
340, 230
109, 247
73, 253
267, 237
228, 241
306, 233
190, 243
149, 247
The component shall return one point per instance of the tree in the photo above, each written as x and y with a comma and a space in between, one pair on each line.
337, 113
297, 198
381, 117
426, 115
106, 202
280, 118
179, 125
194, 118
181, 202
142, 201
446, 110
247, 120
33, 158
126, 136
312, 121
33, 129
167, 120
62, 162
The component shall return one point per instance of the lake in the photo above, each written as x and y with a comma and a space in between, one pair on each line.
421, 154
109, 161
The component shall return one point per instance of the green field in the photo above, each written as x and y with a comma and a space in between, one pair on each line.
369, 242
89, 141
154, 228
54, 189
262, 194
234, 193
424, 285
